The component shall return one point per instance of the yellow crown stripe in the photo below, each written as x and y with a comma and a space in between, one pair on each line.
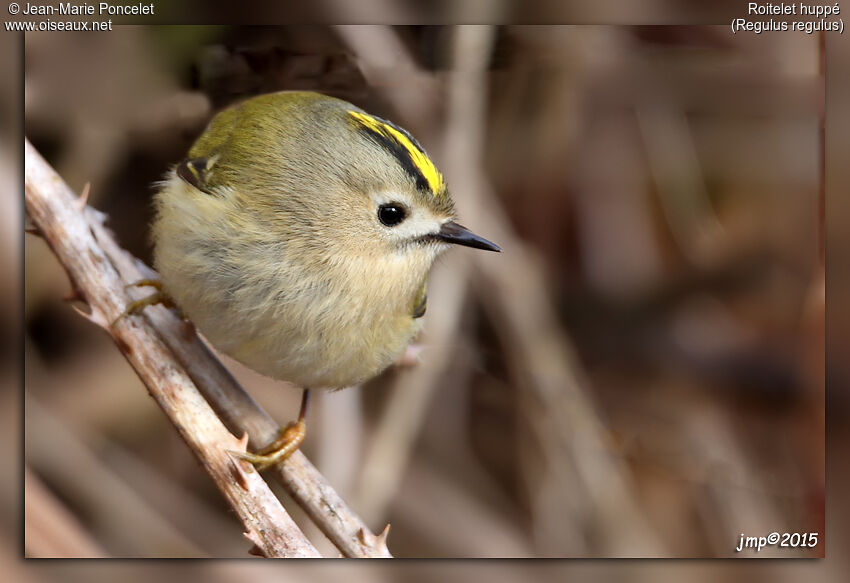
419, 159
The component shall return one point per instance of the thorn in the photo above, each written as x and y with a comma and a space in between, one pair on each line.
378, 544
381, 539
256, 551
96, 317
240, 470
30, 227
84, 197
73, 295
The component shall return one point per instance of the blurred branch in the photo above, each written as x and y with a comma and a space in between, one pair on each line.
60, 218
427, 487
98, 491
540, 352
731, 497
672, 157
391, 71
51, 531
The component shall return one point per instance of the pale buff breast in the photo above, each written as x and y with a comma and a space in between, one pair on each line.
316, 330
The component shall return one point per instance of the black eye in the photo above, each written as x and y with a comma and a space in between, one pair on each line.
391, 214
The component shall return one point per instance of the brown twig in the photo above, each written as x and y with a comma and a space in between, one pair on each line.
59, 216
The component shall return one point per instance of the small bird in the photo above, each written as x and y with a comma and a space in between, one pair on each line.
297, 236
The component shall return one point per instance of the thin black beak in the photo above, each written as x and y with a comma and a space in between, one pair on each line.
456, 234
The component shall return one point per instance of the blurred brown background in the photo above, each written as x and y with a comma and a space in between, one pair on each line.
640, 373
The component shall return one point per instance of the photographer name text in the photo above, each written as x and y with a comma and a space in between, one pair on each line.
101, 9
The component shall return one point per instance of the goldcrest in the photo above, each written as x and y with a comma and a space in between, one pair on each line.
298, 235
